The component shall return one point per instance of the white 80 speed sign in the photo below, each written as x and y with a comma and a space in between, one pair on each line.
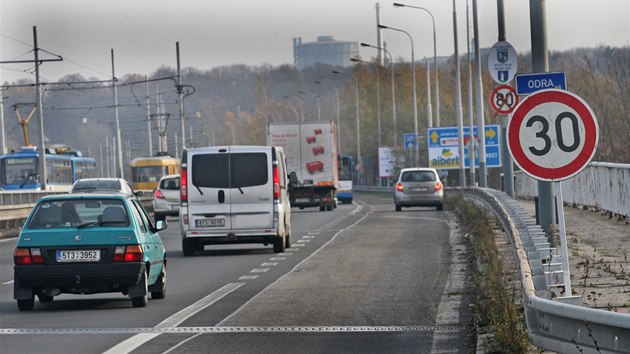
552, 135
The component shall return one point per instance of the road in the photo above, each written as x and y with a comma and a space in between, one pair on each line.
360, 279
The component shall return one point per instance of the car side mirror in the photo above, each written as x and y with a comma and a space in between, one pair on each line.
161, 225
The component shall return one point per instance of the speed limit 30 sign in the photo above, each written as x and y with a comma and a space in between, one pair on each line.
552, 135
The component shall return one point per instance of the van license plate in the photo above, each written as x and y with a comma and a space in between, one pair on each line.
78, 256
209, 222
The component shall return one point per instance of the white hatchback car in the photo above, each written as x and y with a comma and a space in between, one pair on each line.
166, 198
418, 187
103, 184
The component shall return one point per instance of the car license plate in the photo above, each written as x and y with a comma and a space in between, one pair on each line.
210, 222
174, 206
301, 200
420, 189
78, 256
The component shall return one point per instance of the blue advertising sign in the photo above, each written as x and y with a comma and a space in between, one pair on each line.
443, 145
530, 83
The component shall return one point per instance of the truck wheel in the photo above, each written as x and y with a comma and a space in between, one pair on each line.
329, 208
278, 244
188, 247
45, 298
26, 304
322, 208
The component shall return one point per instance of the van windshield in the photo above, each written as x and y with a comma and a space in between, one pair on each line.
213, 170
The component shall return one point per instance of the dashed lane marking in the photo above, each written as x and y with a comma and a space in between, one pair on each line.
303, 241
248, 277
259, 270
277, 258
173, 321
269, 264
8, 282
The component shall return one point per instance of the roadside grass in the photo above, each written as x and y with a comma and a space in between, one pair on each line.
496, 306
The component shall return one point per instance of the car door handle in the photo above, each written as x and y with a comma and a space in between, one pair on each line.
221, 196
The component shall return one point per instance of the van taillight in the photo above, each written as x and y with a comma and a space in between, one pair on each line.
276, 182
132, 253
184, 185
24, 256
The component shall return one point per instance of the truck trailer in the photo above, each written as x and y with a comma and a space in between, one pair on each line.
311, 153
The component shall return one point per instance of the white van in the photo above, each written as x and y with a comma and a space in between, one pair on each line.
234, 194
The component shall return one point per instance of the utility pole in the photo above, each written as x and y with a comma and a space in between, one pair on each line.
471, 121
119, 155
458, 104
540, 64
146, 87
481, 128
180, 92
379, 43
508, 169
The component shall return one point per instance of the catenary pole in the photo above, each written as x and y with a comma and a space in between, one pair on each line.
471, 121
458, 103
508, 170
481, 128
119, 155
43, 176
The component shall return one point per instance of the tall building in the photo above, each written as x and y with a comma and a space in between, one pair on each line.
326, 50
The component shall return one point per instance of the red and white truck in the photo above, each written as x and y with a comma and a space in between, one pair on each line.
311, 152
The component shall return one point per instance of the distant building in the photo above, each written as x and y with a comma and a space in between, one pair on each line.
326, 50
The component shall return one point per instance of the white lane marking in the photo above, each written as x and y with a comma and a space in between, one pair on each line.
175, 320
297, 245
293, 249
313, 232
308, 237
14, 239
269, 264
259, 270
303, 241
8, 282
248, 277
181, 343
296, 266
285, 253
277, 258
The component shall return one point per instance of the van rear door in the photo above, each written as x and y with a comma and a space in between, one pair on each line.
231, 188
209, 189
251, 192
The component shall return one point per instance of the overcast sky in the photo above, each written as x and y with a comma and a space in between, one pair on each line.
213, 33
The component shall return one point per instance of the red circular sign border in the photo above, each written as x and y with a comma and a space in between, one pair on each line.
495, 91
588, 119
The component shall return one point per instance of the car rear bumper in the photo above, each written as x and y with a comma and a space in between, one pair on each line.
80, 278
418, 200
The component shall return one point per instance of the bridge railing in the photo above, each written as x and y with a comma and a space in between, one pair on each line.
604, 186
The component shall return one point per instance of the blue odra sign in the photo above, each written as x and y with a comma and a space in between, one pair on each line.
444, 148
529, 83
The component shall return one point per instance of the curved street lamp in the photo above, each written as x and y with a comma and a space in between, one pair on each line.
356, 85
338, 120
415, 96
319, 112
378, 97
435, 65
391, 64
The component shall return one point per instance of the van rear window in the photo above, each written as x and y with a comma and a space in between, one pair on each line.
229, 171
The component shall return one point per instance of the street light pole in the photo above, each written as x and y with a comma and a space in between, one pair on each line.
378, 97
356, 85
319, 112
338, 116
391, 65
415, 95
435, 65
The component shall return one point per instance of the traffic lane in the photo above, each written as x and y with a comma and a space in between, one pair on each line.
387, 270
189, 279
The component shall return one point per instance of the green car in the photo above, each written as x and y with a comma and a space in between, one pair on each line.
86, 244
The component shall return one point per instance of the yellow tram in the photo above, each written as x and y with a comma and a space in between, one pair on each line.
147, 171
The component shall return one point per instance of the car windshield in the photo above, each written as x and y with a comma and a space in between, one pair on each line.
69, 213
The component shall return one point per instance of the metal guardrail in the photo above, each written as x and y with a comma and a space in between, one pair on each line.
554, 322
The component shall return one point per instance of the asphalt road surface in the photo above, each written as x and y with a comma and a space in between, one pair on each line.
360, 279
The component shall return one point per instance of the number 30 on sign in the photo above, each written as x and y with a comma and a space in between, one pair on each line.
552, 135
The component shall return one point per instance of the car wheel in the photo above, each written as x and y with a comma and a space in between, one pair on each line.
278, 245
398, 207
188, 247
141, 301
26, 304
440, 207
45, 298
160, 283
322, 208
